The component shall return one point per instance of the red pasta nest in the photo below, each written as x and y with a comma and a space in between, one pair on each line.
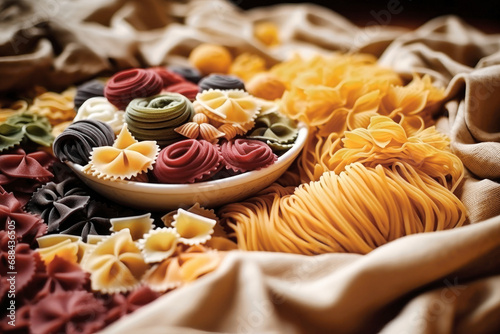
188, 89
243, 155
188, 161
127, 85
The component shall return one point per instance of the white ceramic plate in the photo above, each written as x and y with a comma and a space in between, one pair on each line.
165, 197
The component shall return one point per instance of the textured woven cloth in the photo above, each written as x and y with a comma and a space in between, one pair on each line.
442, 282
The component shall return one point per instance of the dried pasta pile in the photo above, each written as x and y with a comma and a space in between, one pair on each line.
374, 168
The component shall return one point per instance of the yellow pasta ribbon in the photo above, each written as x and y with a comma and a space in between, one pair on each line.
58, 108
355, 211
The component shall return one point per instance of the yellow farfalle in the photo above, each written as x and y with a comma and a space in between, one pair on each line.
63, 247
193, 228
174, 272
164, 276
116, 264
125, 159
94, 239
57, 244
137, 225
194, 265
159, 244
234, 107
57, 108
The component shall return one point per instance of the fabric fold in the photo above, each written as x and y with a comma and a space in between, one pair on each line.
442, 282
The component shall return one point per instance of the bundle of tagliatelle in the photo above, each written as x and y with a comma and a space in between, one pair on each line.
373, 169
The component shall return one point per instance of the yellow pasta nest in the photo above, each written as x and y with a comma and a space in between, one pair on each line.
125, 159
385, 142
315, 157
247, 65
266, 86
210, 58
354, 211
267, 33
382, 142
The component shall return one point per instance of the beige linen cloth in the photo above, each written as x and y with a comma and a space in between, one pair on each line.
443, 282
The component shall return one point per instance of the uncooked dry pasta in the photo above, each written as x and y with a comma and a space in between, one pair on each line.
337, 93
385, 142
354, 211
125, 159
315, 156
57, 108
235, 107
382, 142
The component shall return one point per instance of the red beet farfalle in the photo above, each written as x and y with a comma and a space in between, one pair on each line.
187, 161
61, 275
242, 155
67, 312
27, 227
119, 305
22, 322
24, 264
19, 165
23, 173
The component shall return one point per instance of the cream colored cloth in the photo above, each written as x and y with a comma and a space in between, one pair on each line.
443, 282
